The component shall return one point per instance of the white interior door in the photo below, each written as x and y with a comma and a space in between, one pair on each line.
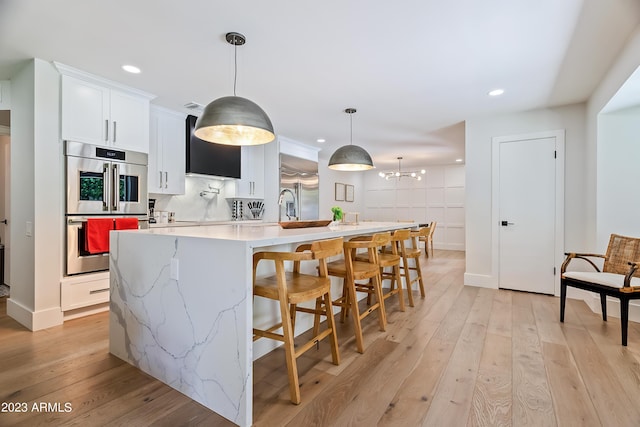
5, 164
527, 215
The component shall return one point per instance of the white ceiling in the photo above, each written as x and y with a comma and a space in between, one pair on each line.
414, 69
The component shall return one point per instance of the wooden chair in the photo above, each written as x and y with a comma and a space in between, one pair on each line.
292, 288
399, 246
413, 253
619, 278
428, 239
388, 257
352, 270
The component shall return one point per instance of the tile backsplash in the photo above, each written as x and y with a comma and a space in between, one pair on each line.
192, 206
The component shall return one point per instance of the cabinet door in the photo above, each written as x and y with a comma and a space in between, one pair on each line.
251, 185
155, 177
173, 153
256, 165
85, 111
129, 125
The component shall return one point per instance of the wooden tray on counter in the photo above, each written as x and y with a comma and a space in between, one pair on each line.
305, 224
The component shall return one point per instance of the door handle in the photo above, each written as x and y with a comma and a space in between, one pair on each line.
106, 187
115, 191
506, 223
4, 221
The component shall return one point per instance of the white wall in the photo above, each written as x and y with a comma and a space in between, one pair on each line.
618, 175
328, 178
602, 142
479, 134
439, 197
35, 183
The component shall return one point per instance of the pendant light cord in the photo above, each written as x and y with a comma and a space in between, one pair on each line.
351, 121
235, 67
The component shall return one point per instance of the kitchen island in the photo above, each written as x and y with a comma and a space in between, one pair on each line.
182, 304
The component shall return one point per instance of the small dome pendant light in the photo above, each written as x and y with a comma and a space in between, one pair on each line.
233, 120
350, 157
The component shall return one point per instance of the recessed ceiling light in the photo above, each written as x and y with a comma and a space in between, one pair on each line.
458, 160
321, 140
131, 69
496, 92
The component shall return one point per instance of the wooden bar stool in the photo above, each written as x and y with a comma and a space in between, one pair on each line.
413, 253
398, 247
352, 270
388, 257
428, 239
292, 288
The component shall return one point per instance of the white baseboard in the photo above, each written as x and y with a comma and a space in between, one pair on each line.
613, 307
86, 311
480, 281
34, 320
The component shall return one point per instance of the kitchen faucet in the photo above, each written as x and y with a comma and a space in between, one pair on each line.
281, 200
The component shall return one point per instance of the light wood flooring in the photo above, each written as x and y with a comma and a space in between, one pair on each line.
462, 356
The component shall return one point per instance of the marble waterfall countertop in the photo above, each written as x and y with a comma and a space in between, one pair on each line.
182, 306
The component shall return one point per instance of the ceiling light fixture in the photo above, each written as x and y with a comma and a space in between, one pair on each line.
399, 174
131, 69
350, 157
233, 120
496, 92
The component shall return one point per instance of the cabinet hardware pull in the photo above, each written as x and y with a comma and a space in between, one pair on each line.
166, 179
98, 291
106, 130
114, 131
160, 172
106, 192
115, 191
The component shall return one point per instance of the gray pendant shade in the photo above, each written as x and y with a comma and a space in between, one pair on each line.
350, 158
233, 120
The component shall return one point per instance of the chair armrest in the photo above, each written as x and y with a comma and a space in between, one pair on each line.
633, 266
577, 255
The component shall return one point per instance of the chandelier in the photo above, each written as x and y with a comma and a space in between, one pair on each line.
399, 173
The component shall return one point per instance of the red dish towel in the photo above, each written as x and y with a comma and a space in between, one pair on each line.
96, 233
126, 223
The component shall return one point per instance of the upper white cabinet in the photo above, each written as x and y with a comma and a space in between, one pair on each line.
166, 152
97, 111
251, 183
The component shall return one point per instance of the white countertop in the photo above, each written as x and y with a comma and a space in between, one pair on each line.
264, 234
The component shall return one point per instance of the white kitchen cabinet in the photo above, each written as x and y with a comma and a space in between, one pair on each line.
251, 183
84, 290
166, 152
100, 112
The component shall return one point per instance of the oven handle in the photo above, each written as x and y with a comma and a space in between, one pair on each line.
115, 191
105, 187
71, 221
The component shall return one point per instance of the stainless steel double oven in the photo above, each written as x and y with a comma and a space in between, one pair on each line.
100, 182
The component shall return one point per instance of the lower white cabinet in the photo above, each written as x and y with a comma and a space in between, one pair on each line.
167, 144
83, 291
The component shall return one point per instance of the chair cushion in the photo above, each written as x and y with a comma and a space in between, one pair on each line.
611, 280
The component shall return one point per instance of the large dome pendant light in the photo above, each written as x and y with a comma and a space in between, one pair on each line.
233, 120
350, 157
